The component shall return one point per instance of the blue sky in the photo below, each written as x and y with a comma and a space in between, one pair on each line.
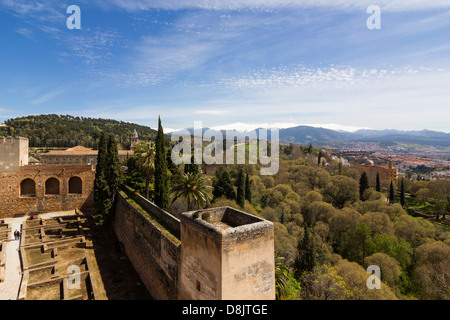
230, 63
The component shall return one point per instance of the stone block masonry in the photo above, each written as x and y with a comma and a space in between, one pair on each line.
214, 254
41, 189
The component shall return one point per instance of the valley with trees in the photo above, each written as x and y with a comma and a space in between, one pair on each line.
330, 222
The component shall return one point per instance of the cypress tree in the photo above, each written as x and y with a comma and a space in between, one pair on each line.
319, 158
102, 192
161, 178
306, 254
402, 194
222, 184
248, 190
240, 198
378, 183
363, 185
391, 193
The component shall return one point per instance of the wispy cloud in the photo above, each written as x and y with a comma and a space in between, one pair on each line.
348, 5
47, 97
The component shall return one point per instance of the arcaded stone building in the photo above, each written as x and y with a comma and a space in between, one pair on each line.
26, 189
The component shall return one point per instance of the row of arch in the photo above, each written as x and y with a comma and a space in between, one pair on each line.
52, 187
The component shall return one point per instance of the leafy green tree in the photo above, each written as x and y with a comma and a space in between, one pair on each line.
363, 185
161, 177
356, 243
194, 189
240, 198
145, 157
324, 283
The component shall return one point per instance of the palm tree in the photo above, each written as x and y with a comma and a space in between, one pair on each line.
145, 157
193, 188
281, 276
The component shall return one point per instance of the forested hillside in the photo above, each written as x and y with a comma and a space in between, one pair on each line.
68, 131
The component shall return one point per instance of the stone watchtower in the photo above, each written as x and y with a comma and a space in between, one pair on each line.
226, 254
134, 139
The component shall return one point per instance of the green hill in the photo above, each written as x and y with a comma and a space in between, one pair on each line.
67, 131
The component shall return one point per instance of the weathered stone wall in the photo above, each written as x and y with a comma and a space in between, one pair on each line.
221, 254
200, 269
248, 262
152, 249
12, 202
226, 254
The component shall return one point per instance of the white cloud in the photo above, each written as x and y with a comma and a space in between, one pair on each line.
389, 5
211, 112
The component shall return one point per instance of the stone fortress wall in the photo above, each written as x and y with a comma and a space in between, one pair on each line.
214, 254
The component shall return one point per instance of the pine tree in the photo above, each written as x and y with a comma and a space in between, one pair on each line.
402, 194
378, 183
363, 185
240, 198
248, 189
161, 178
391, 193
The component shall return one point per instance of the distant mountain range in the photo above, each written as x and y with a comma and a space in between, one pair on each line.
305, 135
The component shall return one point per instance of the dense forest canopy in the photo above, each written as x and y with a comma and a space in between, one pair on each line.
68, 131
330, 226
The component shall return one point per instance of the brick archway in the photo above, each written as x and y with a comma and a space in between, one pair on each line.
52, 186
75, 185
28, 188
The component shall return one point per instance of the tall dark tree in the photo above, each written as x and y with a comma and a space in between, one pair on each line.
222, 184
378, 183
161, 178
363, 185
102, 192
114, 173
402, 194
319, 158
309, 149
248, 189
191, 167
306, 254
240, 197
391, 193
